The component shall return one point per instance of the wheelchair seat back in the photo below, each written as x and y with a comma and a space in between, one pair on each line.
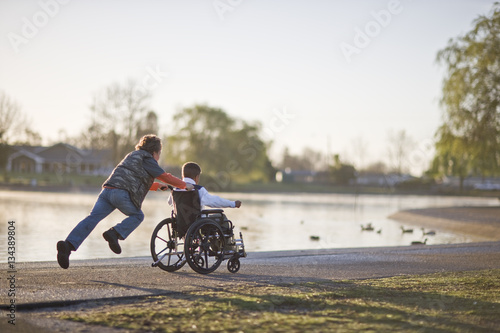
186, 208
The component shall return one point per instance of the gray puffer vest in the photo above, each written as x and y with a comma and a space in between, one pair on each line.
131, 176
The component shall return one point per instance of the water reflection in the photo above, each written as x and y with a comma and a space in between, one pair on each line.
267, 221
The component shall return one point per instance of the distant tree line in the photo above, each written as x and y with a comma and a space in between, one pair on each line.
232, 150
228, 149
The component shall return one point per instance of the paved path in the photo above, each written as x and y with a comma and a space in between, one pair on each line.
42, 284
46, 287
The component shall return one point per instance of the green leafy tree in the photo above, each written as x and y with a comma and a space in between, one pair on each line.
468, 142
228, 150
453, 155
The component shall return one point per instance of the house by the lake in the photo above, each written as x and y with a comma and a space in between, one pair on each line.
59, 158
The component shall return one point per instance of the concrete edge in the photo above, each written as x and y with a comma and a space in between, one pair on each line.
259, 255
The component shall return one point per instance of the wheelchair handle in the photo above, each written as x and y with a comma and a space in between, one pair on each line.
170, 187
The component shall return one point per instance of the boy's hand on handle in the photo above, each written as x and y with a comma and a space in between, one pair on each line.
189, 187
237, 204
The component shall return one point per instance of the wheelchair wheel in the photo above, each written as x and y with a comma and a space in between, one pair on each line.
165, 248
204, 246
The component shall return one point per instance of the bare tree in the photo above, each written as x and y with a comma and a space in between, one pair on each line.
400, 145
117, 112
314, 160
15, 127
9, 117
376, 167
359, 149
148, 125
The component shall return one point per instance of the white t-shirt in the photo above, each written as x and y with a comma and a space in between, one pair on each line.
207, 199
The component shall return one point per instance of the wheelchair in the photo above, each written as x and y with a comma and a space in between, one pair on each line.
202, 238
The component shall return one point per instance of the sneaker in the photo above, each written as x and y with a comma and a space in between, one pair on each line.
111, 236
63, 252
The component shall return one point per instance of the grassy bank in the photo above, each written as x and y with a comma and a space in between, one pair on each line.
447, 302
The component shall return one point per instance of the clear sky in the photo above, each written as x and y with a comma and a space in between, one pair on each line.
321, 74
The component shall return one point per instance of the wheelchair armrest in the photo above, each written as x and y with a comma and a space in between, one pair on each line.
212, 211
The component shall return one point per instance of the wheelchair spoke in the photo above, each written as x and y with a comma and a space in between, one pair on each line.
162, 239
162, 251
168, 260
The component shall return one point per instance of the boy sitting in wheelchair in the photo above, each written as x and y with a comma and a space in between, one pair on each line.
191, 206
201, 237
191, 172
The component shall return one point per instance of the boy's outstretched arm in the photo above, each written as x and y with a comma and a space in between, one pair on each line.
214, 201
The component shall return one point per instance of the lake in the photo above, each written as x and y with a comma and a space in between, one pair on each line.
268, 221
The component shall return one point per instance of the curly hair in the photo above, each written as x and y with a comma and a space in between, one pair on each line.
150, 143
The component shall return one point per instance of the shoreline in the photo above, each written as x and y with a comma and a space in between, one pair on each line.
88, 285
483, 222
268, 189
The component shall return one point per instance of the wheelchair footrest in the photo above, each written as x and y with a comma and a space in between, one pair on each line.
234, 248
240, 246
